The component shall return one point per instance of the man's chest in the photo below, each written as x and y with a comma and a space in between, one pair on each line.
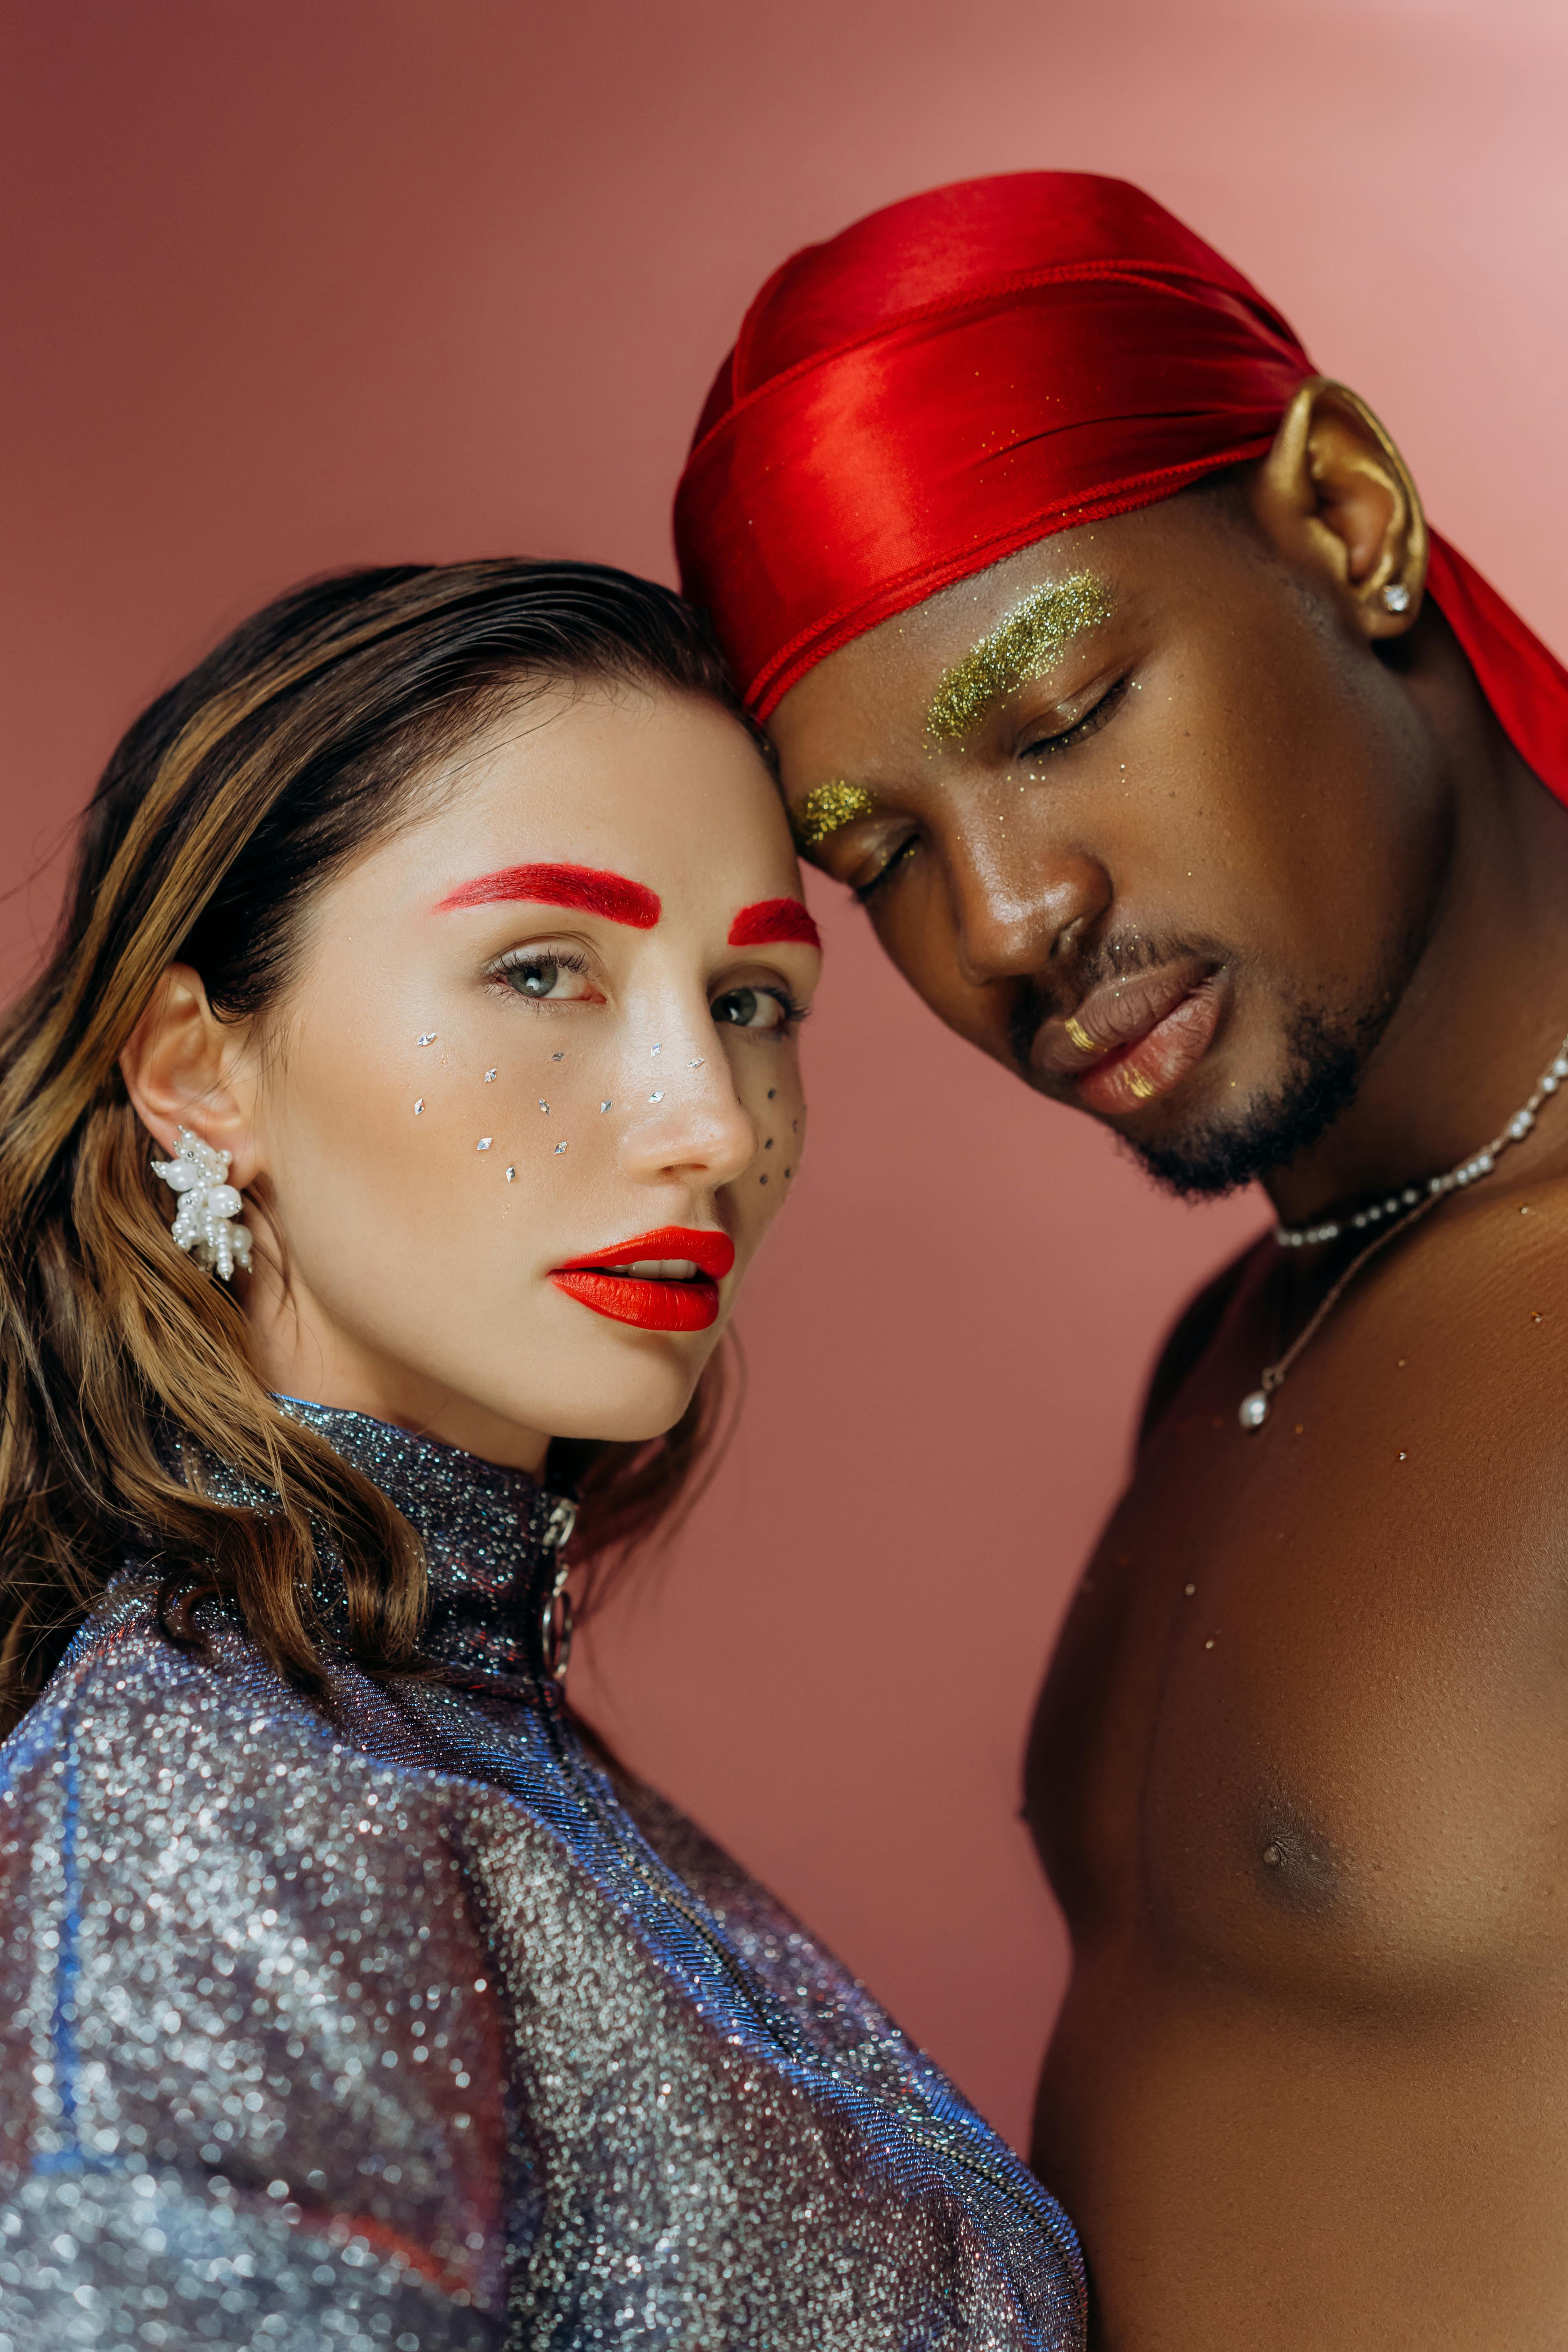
1309, 1711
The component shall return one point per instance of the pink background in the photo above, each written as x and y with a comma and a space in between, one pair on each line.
293, 284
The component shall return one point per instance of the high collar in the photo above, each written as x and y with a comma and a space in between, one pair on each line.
490, 1538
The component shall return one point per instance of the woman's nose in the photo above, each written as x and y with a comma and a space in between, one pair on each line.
691, 1123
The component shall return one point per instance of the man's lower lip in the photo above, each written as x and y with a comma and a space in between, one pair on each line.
1139, 1073
650, 1305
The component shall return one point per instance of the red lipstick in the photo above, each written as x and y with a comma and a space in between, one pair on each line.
619, 1282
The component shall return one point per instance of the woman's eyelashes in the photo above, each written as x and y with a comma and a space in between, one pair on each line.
766, 1011
545, 976
558, 976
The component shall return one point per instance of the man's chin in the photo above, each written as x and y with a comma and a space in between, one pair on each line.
1204, 1156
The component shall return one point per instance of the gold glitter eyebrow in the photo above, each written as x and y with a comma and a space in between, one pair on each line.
1024, 643
826, 809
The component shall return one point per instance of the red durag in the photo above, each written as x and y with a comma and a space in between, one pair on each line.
970, 369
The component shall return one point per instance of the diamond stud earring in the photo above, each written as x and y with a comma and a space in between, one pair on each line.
207, 1203
1396, 597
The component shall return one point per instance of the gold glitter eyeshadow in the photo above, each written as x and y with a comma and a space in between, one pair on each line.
827, 808
1023, 644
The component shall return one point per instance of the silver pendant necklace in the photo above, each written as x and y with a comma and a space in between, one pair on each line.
1396, 1214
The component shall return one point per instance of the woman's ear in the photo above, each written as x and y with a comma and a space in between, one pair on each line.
184, 1067
1335, 490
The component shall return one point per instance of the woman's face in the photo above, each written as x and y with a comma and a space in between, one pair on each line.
542, 1027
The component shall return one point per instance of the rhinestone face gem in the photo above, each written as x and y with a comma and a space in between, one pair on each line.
659, 1098
485, 1142
488, 1076
512, 1175
428, 1038
1253, 1411
418, 1106
604, 1106
558, 1148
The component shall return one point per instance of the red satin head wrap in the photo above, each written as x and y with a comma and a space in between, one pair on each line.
970, 369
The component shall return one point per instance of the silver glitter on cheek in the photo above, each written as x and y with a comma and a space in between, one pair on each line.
604, 1106
485, 1142
559, 1147
656, 1049
296, 1991
511, 1175
697, 1065
659, 1098
428, 1039
558, 1057
489, 1074
543, 1106
418, 1106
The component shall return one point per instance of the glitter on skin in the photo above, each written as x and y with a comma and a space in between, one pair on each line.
1023, 645
825, 810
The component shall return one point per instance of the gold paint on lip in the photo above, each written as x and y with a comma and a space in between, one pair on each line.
1078, 1035
1140, 1085
826, 810
1025, 644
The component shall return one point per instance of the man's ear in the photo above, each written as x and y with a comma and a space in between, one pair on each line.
1335, 490
184, 1067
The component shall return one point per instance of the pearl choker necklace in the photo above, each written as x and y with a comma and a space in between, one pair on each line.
1393, 1214
1395, 1203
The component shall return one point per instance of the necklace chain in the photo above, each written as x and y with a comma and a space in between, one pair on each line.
1396, 1214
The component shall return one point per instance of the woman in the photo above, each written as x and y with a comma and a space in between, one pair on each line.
380, 1154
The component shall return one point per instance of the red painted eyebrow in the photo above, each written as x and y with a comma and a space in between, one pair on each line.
771, 919
596, 893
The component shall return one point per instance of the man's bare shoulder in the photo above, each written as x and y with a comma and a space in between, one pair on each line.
1432, 1405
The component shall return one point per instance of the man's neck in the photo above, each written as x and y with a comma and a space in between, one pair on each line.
1487, 1004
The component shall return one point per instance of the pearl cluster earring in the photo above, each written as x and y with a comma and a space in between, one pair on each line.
208, 1204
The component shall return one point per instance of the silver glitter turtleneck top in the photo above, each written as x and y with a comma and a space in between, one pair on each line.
392, 2024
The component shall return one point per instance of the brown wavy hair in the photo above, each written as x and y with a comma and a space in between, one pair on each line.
230, 801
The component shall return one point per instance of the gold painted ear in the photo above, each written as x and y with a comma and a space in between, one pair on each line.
1334, 487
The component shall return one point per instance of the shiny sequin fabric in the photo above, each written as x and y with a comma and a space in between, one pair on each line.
394, 2024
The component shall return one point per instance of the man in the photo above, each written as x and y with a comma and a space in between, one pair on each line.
1111, 662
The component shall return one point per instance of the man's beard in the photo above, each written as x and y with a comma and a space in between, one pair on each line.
1326, 1054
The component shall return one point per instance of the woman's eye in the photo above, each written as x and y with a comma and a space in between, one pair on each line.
535, 979
750, 1008
539, 977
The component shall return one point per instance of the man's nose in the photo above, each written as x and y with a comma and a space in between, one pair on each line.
1017, 914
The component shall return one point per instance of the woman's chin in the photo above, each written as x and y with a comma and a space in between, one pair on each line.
628, 1420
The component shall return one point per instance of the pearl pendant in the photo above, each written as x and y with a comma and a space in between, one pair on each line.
1253, 1411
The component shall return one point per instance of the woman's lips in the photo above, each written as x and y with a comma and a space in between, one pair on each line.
663, 1281
1134, 1040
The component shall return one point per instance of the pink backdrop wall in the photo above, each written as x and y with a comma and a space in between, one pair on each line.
299, 283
